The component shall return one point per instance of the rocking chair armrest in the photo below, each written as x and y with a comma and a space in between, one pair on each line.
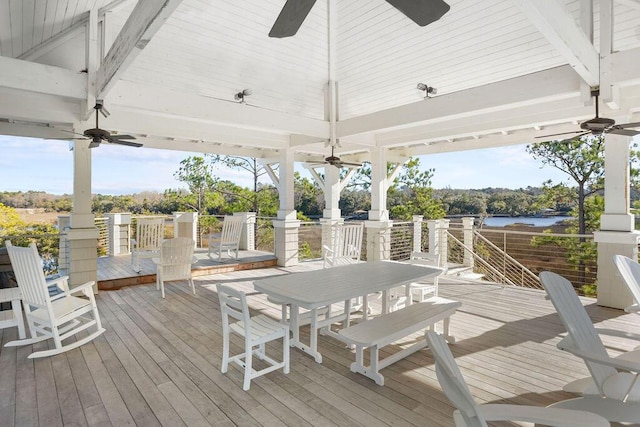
62, 282
617, 333
83, 288
566, 344
326, 250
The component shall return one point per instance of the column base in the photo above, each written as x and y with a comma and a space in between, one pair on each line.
612, 291
286, 241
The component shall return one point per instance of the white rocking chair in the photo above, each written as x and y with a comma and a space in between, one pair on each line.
616, 391
229, 239
149, 237
58, 317
174, 263
256, 331
470, 414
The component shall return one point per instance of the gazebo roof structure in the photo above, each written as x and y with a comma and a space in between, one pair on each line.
506, 71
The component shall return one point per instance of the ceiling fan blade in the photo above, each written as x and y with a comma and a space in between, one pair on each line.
290, 19
629, 125
626, 132
558, 134
422, 12
351, 164
123, 136
122, 142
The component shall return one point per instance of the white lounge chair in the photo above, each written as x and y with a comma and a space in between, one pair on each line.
59, 317
616, 393
256, 331
149, 237
630, 272
174, 263
229, 239
470, 414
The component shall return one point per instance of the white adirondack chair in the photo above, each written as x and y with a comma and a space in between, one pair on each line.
256, 331
229, 238
58, 317
149, 237
617, 386
174, 263
470, 414
630, 272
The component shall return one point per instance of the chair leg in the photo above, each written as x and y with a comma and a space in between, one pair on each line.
193, 286
225, 350
248, 365
285, 351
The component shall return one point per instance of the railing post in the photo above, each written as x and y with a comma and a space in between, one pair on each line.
417, 232
434, 241
443, 244
248, 235
64, 222
118, 233
467, 232
185, 224
378, 240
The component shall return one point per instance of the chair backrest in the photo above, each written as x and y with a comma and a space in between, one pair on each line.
347, 244
176, 257
426, 258
149, 233
578, 323
231, 230
452, 382
630, 272
27, 267
233, 303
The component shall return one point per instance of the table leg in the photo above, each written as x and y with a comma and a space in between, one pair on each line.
312, 348
408, 296
385, 301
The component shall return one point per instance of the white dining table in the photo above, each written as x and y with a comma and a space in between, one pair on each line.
312, 290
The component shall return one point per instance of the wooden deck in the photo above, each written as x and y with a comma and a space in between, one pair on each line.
159, 364
115, 272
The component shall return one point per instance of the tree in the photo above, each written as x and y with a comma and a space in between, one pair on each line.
248, 164
582, 159
196, 173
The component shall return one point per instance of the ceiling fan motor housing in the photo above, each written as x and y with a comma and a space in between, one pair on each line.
597, 124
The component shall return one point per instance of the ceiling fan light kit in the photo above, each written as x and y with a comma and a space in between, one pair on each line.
428, 90
240, 96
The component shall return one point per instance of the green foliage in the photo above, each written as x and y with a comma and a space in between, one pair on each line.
305, 252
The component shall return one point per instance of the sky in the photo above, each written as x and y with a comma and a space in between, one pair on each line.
47, 165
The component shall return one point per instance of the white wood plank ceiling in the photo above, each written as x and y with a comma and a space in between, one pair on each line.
501, 79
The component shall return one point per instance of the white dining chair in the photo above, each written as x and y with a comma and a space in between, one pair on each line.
256, 331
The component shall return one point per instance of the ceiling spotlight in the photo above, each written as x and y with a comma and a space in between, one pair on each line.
428, 90
242, 94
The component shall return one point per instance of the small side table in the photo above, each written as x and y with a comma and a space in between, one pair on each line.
13, 317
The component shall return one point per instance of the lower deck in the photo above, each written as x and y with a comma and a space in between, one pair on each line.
158, 363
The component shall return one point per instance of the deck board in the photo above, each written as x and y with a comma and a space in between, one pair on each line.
158, 363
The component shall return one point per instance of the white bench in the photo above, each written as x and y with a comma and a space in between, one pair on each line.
390, 327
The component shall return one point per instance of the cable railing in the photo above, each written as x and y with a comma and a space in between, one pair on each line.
401, 240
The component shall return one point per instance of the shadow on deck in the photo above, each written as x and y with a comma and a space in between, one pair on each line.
115, 272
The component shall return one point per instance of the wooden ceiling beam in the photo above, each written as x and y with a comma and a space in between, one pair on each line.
145, 20
561, 30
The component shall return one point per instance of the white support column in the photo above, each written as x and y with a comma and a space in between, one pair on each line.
248, 235
287, 225
417, 232
118, 233
378, 226
617, 234
82, 234
467, 231
185, 224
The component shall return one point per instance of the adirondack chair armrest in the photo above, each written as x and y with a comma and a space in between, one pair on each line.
617, 333
635, 308
566, 344
541, 415
85, 288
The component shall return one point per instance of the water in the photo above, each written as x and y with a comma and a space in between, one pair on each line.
534, 221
